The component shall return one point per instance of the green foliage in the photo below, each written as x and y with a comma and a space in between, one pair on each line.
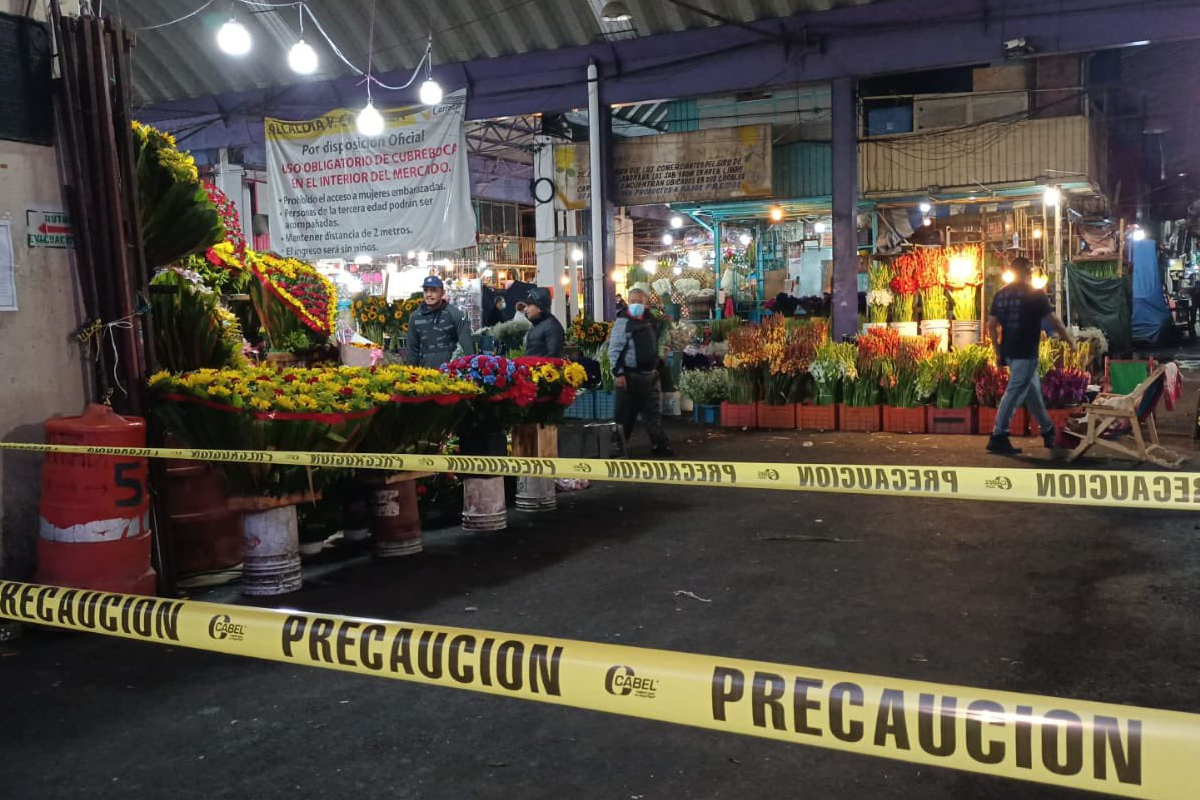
706, 387
190, 329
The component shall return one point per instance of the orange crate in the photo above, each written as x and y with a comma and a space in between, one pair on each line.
904, 420
739, 415
951, 420
816, 418
770, 416
860, 419
1059, 416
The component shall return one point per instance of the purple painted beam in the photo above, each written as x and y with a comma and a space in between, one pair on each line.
845, 209
856, 41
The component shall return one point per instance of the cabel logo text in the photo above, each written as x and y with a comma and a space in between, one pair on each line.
222, 626
1002, 483
622, 680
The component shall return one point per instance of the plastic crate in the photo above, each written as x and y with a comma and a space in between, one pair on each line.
707, 415
811, 417
957, 421
904, 420
584, 407
1059, 416
604, 408
986, 421
859, 419
777, 417
739, 415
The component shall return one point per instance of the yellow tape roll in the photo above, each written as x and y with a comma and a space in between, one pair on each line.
1121, 750
1179, 491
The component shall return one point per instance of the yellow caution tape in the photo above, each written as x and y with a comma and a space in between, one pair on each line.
1179, 491
1121, 750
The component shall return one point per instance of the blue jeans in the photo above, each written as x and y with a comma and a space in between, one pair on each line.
1024, 386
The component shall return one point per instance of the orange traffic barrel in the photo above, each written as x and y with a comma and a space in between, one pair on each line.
95, 510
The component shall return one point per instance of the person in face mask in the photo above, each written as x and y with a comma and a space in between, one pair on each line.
496, 313
633, 350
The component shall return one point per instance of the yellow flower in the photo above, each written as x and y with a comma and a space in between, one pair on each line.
162, 376
260, 404
381, 397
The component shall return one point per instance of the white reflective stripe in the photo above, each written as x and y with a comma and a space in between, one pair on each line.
101, 530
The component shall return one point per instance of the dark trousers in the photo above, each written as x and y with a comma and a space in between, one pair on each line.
642, 395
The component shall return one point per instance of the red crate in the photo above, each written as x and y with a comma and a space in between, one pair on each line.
739, 415
904, 420
1059, 416
770, 416
816, 418
986, 420
950, 420
860, 419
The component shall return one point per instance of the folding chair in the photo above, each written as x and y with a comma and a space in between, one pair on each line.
1111, 417
1123, 376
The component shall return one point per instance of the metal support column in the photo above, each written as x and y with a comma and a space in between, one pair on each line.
845, 209
718, 309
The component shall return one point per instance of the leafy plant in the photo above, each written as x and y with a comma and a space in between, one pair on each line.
707, 387
190, 328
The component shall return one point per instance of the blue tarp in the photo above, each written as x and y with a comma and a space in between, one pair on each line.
1151, 317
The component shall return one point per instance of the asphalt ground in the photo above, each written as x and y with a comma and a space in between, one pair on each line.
1094, 604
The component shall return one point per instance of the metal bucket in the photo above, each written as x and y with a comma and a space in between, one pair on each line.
536, 494
395, 518
964, 333
483, 504
271, 552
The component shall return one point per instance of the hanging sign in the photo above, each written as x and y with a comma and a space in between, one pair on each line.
697, 166
48, 229
340, 193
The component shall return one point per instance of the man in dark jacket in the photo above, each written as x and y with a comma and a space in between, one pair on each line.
633, 350
546, 337
437, 328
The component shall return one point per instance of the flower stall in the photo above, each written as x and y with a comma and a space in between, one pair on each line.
296, 305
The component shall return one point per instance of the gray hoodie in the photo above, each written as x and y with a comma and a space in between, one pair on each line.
435, 333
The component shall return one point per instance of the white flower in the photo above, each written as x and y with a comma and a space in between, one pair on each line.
879, 297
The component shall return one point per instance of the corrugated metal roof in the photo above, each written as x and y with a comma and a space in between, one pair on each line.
182, 60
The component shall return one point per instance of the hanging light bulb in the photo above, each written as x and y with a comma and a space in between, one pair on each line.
1052, 196
1039, 281
1009, 276
431, 92
1138, 234
577, 254
927, 222
668, 239
695, 259
302, 58
776, 214
564, 280
233, 38
818, 228
369, 121
745, 239
925, 207
1037, 233
676, 222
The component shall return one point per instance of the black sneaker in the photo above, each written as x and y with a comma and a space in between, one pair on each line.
1050, 439
1001, 446
664, 451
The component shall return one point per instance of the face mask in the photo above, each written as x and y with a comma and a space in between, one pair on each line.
636, 309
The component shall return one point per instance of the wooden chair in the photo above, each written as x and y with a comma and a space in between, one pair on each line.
1112, 417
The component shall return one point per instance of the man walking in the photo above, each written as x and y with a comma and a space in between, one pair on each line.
437, 328
546, 337
633, 350
1015, 326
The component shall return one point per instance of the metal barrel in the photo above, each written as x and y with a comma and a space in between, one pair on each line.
271, 552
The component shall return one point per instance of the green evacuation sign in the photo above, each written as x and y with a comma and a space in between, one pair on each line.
49, 229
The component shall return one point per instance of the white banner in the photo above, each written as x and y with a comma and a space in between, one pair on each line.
338, 193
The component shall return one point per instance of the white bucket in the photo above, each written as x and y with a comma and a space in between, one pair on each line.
686, 404
905, 328
964, 333
271, 545
535, 494
939, 328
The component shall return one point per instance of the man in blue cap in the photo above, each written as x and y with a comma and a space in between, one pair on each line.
546, 337
437, 328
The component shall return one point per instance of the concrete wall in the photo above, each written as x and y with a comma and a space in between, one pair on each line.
42, 371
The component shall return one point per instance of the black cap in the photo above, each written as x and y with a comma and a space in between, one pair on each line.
541, 298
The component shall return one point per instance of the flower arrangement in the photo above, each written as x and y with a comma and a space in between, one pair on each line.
904, 287
662, 287
931, 279
706, 387
557, 381
969, 362
372, 315
191, 330
963, 277
589, 334
901, 373
1064, 387
990, 383
831, 364
744, 361
417, 408
175, 214
687, 288
506, 388
863, 386
294, 302
511, 333
233, 249
253, 408
879, 292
